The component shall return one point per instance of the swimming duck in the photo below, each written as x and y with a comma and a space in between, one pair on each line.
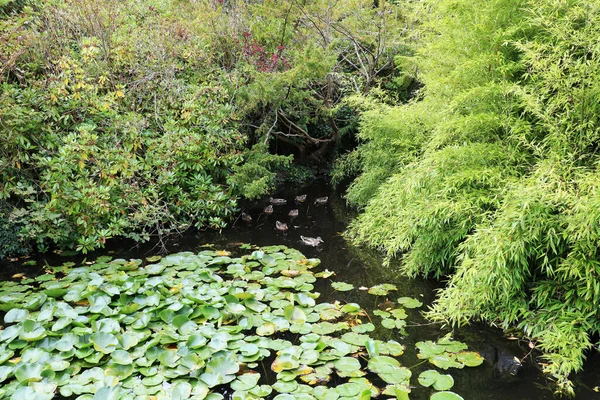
277, 202
246, 217
300, 198
281, 226
321, 200
268, 210
314, 242
293, 213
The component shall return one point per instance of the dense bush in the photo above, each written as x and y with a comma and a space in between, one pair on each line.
140, 118
103, 133
492, 176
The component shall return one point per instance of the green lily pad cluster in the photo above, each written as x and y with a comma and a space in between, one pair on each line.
382, 289
447, 353
393, 319
186, 326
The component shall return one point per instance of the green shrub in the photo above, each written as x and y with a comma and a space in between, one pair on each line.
10, 241
498, 189
113, 128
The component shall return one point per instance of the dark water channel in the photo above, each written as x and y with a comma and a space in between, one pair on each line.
363, 268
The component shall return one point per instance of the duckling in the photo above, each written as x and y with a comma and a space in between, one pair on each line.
293, 213
321, 200
246, 217
268, 210
300, 198
277, 202
314, 242
281, 226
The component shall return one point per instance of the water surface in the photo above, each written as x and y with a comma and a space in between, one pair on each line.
361, 267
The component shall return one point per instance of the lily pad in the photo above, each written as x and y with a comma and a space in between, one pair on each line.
446, 396
470, 358
382, 290
342, 286
439, 381
409, 302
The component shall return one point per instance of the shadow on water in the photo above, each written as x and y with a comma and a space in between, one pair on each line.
361, 267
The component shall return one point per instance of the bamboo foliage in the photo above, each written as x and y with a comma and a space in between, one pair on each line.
501, 193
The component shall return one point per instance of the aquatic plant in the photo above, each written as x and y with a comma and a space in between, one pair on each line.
188, 325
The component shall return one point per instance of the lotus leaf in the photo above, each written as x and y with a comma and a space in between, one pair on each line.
400, 391
108, 393
348, 367
15, 315
389, 369
29, 372
104, 342
288, 358
266, 329
355, 338
5, 371
439, 381
451, 345
342, 286
285, 386
470, 358
10, 333
284, 396
294, 315
392, 348
409, 302
382, 289
398, 313
382, 314
445, 361
32, 331
446, 396
429, 349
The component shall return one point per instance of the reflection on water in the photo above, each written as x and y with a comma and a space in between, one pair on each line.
361, 268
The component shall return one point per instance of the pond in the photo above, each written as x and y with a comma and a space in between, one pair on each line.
362, 269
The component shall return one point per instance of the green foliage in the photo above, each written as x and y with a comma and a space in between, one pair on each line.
10, 244
123, 119
190, 325
114, 128
257, 175
494, 182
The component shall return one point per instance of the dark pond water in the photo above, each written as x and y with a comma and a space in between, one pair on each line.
363, 268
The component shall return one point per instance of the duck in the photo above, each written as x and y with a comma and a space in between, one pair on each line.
321, 200
293, 213
314, 242
268, 210
281, 226
246, 217
277, 202
300, 198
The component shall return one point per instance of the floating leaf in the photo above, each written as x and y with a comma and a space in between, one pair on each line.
439, 381
409, 302
389, 369
15, 315
382, 289
32, 331
445, 396
342, 286
245, 382
29, 372
104, 342
294, 315
470, 358
363, 328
